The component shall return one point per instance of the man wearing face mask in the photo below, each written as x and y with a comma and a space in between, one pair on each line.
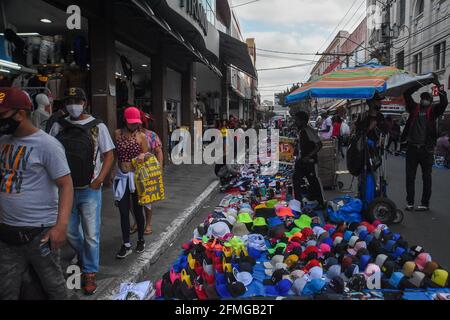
87, 141
36, 195
420, 134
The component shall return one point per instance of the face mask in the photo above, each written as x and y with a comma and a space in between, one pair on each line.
425, 103
75, 110
8, 125
132, 128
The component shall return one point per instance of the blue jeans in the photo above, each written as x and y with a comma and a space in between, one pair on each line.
84, 227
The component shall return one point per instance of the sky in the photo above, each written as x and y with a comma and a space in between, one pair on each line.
300, 26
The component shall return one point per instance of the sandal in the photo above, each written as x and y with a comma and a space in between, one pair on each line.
148, 231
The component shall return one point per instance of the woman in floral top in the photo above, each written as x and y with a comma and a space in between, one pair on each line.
155, 148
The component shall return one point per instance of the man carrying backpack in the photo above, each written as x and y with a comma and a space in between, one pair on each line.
420, 134
87, 141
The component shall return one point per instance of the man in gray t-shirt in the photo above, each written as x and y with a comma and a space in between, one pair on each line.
36, 195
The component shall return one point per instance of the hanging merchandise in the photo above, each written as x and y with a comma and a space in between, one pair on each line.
149, 180
17, 47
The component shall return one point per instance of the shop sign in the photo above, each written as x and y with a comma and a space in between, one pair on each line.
196, 10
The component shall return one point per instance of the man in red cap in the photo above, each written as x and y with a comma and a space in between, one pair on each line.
36, 196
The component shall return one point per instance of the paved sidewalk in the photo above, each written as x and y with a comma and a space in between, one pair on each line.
188, 187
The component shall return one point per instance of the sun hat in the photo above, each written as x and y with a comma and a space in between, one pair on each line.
285, 212
244, 277
244, 218
430, 267
408, 268
240, 229
257, 241
303, 222
421, 260
279, 247
417, 279
292, 232
440, 277
295, 206
132, 115
281, 289
218, 230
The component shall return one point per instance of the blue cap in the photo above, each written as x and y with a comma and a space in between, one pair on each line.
398, 252
314, 287
274, 221
328, 241
364, 261
389, 246
280, 289
363, 235
184, 263
395, 279
220, 279
396, 236
369, 239
254, 253
347, 235
222, 290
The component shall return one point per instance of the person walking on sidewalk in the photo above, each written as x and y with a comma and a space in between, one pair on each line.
131, 144
420, 134
87, 141
155, 148
36, 195
308, 146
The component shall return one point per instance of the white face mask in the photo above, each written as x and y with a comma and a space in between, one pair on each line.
75, 110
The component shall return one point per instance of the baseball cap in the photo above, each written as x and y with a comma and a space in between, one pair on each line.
14, 99
389, 267
77, 93
417, 279
364, 261
416, 250
421, 260
313, 287
312, 264
299, 284
371, 269
351, 270
291, 260
334, 271
440, 277
273, 262
408, 268
276, 277
316, 273
132, 115
337, 285
430, 267
282, 288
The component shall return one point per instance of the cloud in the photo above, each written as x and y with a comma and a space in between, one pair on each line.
293, 26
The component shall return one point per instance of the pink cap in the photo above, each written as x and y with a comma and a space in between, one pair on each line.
132, 115
421, 260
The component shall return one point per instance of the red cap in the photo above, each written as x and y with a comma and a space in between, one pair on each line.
309, 250
307, 232
337, 234
328, 227
132, 115
312, 264
14, 99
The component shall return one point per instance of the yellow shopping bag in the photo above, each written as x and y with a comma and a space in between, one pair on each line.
149, 180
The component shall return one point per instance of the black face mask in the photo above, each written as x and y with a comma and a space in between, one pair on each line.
8, 125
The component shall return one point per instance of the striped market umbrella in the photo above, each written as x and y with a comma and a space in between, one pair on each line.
360, 82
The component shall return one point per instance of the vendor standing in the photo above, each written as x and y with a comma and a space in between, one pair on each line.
307, 148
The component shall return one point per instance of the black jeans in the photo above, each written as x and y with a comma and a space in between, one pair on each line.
138, 211
15, 262
416, 156
308, 171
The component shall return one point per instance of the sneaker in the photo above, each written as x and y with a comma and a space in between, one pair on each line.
124, 252
409, 208
89, 285
423, 208
140, 247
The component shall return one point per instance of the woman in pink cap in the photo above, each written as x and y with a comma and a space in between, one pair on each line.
155, 148
131, 143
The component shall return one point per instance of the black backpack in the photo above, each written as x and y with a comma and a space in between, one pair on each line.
79, 143
355, 154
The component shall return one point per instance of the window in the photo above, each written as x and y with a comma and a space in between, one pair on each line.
417, 61
419, 8
439, 56
402, 12
400, 60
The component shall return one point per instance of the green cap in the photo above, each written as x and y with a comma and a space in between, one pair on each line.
292, 232
245, 218
271, 203
279, 245
303, 222
259, 222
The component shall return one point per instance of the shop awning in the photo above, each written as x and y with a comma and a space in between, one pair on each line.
145, 8
235, 52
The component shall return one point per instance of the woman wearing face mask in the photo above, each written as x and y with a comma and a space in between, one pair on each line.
131, 143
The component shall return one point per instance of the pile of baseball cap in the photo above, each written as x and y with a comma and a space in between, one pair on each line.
277, 248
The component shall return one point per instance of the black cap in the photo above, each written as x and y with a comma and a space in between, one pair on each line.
357, 283
389, 268
405, 257
74, 93
236, 289
337, 285
277, 276
416, 250
353, 226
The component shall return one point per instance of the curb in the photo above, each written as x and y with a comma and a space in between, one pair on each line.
157, 248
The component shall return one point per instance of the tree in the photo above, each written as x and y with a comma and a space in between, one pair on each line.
281, 96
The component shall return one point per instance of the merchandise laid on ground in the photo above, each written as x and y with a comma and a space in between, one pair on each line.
259, 242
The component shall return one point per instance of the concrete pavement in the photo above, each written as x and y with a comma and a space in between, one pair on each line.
188, 187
